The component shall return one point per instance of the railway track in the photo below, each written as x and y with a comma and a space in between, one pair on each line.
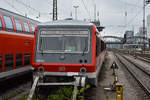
140, 75
15, 86
142, 57
145, 59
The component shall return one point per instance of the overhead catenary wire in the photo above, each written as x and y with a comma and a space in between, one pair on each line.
131, 20
49, 2
86, 8
130, 4
28, 6
39, 12
137, 3
13, 7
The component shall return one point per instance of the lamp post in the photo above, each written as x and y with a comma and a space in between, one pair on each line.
145, 2
76, 11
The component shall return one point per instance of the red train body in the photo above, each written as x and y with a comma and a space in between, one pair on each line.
16, 39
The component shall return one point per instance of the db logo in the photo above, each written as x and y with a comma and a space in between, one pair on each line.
62, 68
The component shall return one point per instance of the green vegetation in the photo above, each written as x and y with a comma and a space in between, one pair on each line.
12, 95
62, 94
25, 97
66, 93
83, 89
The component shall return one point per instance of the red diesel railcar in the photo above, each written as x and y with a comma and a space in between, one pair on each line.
68, 48
16, 40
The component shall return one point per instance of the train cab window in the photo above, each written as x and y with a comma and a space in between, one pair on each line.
61, 41
33, 28
26, 26
8, 23
18, 26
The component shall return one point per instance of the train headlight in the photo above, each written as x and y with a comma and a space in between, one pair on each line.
41, 69
83, 70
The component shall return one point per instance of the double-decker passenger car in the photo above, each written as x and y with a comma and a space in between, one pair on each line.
16, 40
68, 48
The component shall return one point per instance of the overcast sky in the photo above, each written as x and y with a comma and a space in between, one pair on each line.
112, 12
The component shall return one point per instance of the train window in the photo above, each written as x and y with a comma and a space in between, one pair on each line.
18, 26
33, 28
102, 46
8, 23
98, 46
64, 41
26, 26
0, 24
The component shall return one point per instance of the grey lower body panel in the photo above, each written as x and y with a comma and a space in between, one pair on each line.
88, 75
91, 77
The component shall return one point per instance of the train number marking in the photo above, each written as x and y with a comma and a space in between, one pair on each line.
62, 68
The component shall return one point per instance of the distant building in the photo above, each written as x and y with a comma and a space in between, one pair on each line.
129, 34
148, 26
140, 32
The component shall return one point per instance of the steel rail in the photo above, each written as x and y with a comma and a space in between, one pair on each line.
142, 84
147, 60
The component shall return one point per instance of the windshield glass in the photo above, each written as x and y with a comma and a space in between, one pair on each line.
63, 41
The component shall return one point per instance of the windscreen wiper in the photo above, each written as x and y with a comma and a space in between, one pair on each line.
84, 51
41, 42
84, 48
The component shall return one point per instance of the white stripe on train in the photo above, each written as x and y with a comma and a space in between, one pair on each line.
17, 34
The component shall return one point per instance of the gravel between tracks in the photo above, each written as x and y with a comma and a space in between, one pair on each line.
131, 90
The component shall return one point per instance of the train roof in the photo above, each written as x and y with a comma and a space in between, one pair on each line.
18, 16
66, 23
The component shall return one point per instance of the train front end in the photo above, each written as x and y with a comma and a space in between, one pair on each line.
65, 49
